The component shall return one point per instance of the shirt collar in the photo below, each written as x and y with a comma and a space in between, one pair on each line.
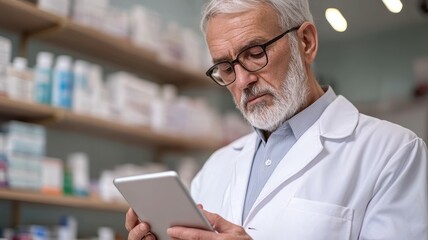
301, 122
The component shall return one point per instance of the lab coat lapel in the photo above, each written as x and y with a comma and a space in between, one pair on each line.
300, 155
240, 181
338, 121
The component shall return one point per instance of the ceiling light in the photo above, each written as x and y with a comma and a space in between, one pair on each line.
336, 19
394, 6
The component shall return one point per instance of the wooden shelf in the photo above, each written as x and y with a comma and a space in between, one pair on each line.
18, 16
65, 201
69, 121
23, 111
23, 17
136, 135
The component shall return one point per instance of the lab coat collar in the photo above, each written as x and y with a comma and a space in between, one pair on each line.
243, 141
339, 119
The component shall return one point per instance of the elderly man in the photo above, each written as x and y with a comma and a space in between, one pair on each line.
314, 168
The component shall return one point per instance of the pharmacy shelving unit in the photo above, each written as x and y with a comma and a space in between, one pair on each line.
65, 120
29, 22
93, 203
61, 200
32, 23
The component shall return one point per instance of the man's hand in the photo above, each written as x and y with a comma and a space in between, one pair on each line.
225, 230
137, 230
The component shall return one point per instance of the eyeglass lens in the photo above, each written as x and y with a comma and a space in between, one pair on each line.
252, 59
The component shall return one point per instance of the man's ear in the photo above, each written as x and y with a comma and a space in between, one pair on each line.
308, 38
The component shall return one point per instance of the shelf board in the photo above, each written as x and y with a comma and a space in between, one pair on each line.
18, 16
64, 201
24, 111
94, 43
133, 134
72, 122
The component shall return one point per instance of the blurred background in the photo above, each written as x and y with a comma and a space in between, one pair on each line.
92, 90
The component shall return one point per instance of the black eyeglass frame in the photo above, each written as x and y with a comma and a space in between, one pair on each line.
236, 60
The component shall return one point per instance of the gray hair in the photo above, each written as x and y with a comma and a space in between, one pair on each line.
291, 13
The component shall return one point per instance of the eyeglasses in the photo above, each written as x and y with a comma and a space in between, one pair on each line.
252, 59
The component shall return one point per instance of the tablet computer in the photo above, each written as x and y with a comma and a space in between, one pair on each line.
162, 200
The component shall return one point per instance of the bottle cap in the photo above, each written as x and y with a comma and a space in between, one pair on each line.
44, 59
80, 67
63, 62
20, 63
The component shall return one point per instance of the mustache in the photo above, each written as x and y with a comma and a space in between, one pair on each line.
254, 91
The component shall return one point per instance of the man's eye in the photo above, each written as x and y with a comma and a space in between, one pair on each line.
257, 55
226, 69
253, 53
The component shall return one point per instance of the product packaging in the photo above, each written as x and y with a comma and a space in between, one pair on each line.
132, 97
62, 83
90, 13
43, 78
3, 163
25, 149
82, 89
19, 82
192, 50
160, 106
59, 7
68, 227
99, 103
78, 164
172, 50
145, 28
52, 176
5, 55
105, 233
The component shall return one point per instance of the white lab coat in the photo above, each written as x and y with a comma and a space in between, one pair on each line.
349, 176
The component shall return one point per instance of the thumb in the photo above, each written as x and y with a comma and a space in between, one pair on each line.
219, 224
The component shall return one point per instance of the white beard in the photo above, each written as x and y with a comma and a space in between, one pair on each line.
289, 99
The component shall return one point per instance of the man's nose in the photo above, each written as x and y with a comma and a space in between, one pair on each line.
244, 78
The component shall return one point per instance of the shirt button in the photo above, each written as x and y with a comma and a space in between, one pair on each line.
268, 162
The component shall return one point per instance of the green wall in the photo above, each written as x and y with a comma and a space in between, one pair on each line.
377, 67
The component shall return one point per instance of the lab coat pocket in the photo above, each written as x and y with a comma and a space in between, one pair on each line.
311, 220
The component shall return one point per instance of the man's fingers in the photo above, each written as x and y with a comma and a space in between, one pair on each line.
218, 223
131, 220
221, 225
190, 233
150, 236
139, 231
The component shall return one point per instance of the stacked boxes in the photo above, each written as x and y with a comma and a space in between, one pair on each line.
24, 150
99, 14
132, 97
145, 28
59, 7
5, 55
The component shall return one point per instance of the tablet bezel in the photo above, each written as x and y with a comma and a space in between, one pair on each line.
149, 193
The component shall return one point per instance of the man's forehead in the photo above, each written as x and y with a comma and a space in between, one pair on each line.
228, 52
228, 34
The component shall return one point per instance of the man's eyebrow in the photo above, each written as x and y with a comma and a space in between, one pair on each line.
254, 42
